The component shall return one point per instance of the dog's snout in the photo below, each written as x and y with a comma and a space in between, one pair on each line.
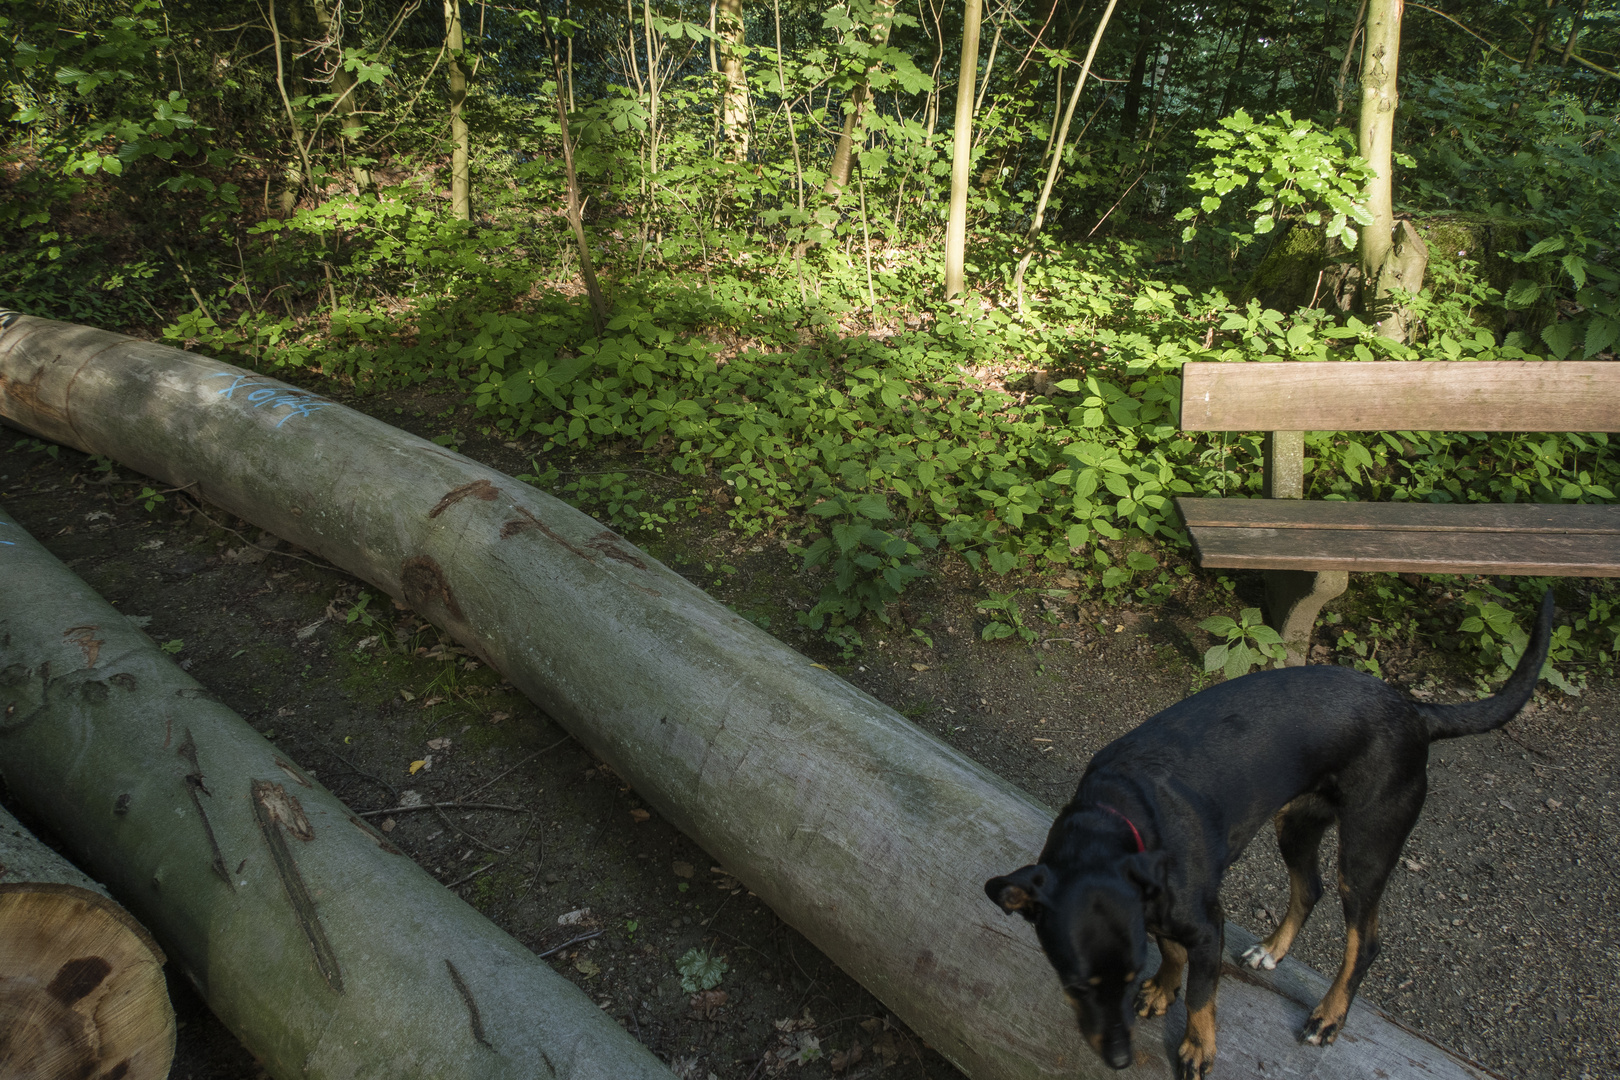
1118, 1054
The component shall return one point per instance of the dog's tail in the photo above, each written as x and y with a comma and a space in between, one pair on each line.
1475, 717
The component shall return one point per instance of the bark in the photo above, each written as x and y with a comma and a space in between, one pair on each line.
81, 982
962, 151
325, 950
734, 86
863, 832
1380, 273
460, 199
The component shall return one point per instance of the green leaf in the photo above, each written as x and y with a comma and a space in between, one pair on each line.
1560, 338
1218, 624
1215, 658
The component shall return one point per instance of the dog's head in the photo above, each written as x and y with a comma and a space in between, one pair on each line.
1092, 927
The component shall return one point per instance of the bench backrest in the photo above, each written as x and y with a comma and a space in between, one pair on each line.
1487, 395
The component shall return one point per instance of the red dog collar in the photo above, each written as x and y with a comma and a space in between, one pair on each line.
1140, 847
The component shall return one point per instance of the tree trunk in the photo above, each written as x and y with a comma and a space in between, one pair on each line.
854, 133
576, 211
345, 103
1380, 266
1247, 34
1356, 29
1146, 40
81, 982
1039, 217
962, 150
326, 951
734, 88
460, 199
860, 830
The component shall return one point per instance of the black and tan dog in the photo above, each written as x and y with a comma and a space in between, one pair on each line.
1163, 811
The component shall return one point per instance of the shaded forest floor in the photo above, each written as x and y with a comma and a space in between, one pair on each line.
1501, 930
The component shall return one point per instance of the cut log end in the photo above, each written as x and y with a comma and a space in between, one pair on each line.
81, 989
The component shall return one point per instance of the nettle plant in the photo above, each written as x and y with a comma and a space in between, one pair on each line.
1299, 171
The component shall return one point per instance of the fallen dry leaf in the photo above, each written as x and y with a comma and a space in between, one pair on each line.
640, 815
919, 667
419, 765
586, 968
682, 869
441, 743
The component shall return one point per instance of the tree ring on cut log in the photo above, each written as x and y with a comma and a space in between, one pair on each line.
81, 988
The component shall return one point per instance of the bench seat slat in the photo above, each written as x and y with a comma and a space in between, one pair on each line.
1551, 541
1402, 516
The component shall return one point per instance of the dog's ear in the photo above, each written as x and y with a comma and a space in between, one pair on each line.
1024, 890
1150, 872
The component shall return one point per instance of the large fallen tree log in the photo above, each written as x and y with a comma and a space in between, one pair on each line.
81, 982
869, 836
323, 948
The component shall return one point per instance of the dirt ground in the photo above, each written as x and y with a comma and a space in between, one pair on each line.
1501, 931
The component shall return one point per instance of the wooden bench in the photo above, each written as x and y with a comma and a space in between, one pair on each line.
1307, 548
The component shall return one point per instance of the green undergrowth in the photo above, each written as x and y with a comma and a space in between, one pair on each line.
877, 446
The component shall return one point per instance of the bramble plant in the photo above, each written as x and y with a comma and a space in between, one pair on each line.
1249, 643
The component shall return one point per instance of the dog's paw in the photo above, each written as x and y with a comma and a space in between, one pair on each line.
1196, 1059
1258, 956
1155, 1000
1321, 1030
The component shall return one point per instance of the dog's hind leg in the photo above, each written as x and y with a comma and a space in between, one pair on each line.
1369, 843
1300, 826
1159, 992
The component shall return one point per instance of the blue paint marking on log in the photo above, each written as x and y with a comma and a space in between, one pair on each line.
298, 402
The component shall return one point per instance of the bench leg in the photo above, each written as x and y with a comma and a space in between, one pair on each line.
1294, 598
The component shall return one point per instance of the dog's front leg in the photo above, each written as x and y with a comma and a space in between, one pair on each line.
1159, 993
1203, 978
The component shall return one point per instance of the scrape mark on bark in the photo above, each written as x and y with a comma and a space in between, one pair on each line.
194, 784
282, 809
287, 767
28, 396
512, 528
474, 1021
85, 640
478, 489
608, 544
272, 806
424, 584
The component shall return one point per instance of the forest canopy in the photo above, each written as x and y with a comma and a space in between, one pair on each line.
901, 278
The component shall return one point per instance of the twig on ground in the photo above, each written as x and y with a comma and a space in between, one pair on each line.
468, 877
572, 941
441, 806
